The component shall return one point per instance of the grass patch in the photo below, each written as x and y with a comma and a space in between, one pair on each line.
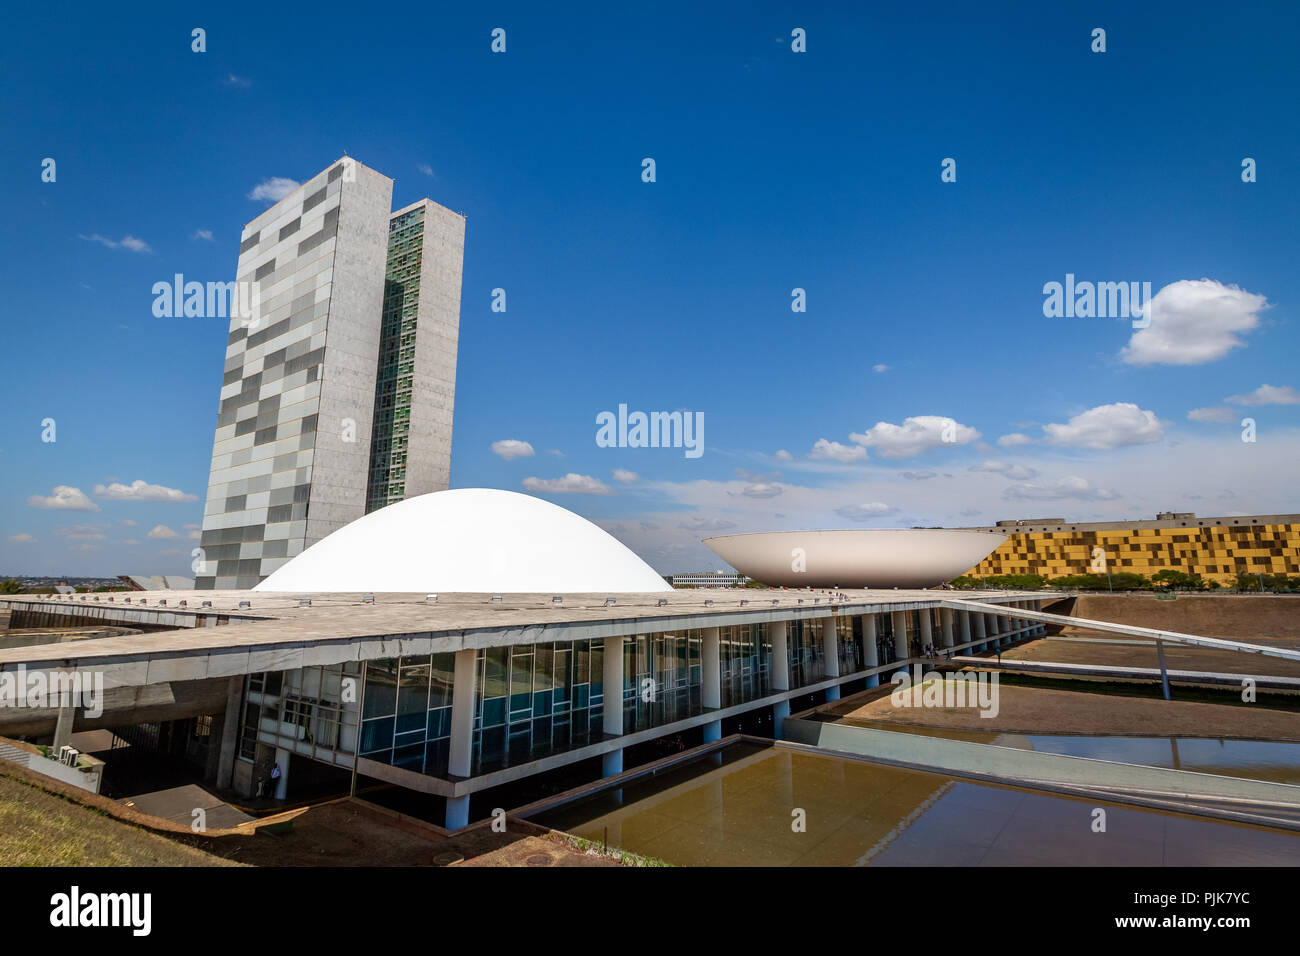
39, 828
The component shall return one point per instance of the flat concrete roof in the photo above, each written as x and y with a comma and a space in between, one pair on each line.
275, 633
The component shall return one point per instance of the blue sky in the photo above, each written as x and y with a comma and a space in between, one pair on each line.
775, 170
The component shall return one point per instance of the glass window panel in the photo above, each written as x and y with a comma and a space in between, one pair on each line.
381, 688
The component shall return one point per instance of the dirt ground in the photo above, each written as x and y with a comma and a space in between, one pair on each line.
1144, 655
47, 823
1035, 710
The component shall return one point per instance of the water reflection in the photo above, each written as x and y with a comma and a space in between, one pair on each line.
743, 813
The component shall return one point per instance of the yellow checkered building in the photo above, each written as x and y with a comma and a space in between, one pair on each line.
1217, 549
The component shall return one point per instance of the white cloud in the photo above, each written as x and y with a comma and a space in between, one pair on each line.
128, 522
919, 475
509, 448
126, 242
162, 533
272, 190
880, 368
82, 532
202, 234
865, 512
1108, 426
238, 81
625, 476
706, 524
1267, 395
64, 498
1221, 415
1194, 321
196, 535
917, 434
570, 484
783, 455
141, 490
1069, 487
837, 452
425, 168
555, 451
1014, 440
1006, 469
23, 538
762, 489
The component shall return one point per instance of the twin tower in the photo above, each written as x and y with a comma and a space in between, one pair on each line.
337, 398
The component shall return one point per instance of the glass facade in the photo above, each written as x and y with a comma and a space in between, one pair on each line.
313, 711
848, 642
393, 383
536, 699
806, 652
885, 652
406, 715
913, 633
745, 653
661, 679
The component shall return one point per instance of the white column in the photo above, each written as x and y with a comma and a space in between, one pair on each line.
899, 619
963, 618
612, 684
777, 632
831, 655
871, 654
462, 713
711, 669
978, 618
711, 680
927, 628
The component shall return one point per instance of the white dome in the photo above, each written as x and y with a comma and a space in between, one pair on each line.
468, 539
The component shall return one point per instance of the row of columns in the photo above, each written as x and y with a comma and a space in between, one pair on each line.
955, 627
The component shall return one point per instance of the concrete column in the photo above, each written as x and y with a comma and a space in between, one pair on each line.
945, 627
870, 653
462, 718
712, 731
927, 628
901, 650
711, 669
831, 655
282, 787
963, 619
780, 711
63, 726
230, 733
831, 647
457, 812
612, 683
777, 632
979, 619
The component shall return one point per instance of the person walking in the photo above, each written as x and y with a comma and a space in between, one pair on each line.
275, 781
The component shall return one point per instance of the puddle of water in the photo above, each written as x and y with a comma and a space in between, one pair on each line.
743, 807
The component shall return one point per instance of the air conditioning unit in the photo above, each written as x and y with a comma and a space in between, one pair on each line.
68, 755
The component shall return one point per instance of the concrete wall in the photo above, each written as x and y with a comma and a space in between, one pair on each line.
1228, 615
963, 756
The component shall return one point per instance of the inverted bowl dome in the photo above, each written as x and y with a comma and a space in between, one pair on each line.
468, 539
878, 558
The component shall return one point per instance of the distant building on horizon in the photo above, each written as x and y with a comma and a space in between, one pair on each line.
707, 579
338, 400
